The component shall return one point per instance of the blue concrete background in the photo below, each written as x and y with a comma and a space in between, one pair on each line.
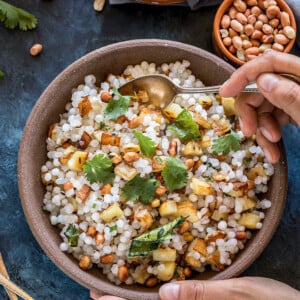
68, 30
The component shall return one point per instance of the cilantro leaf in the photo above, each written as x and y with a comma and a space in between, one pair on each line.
174, 174
147, 146
142, 245
185, 127
113, 228
99, 168
118, 106
72, 234
224, 144
13, 17
140, 188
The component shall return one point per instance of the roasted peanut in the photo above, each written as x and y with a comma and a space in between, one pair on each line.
273, 11
251, 19
155, 203
289, 31
278, 47
281, 39
232, 33
247, 13
267, 39
134, 123
106, 189
84, 192
246, 44
249, 29
123, 273
85, 262
263, 47
107, 259
115, 158
285, 19
189, 163
99, 238
172, 148
267, 29
105, 97
240, 235
255, 10
263, 18
184, 227
36, 49
256, 35
131, 156
240, 5
258, 25
232, 12
91, 231
68, 185
241, 18
237, 42
255, 43
232, 49
227, 41
187, 272
160, 190
225, 22
151, 281
251, 2
236, 26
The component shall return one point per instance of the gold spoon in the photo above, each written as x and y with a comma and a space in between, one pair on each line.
161, 89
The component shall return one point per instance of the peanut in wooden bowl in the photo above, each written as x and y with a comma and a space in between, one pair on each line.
32, 155
218, 44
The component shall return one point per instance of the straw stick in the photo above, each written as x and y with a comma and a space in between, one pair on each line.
4, 272
14, 288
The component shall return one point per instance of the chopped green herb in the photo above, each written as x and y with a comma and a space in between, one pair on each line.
103, 126
118, 106
185, 127
1, 74
72, 234
13, 17
159, 159
209, 178
94, 205
140, 188
113, 228
224, 144
99, 169
147, 146
174, 174
144, 244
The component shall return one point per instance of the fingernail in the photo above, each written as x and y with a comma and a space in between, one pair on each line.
241, 123
169, 291
267, 134
267, 82
268, 155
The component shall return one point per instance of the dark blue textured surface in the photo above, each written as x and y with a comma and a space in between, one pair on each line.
68, 30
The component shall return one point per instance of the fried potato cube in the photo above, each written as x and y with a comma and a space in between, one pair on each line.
84, 192
191, 260
192, 148
167, 254
214, 260
201, 187
140, 274
172, 111
212, 237
217, 216
228, 104
166, 273
248, 203
77, 160
84, 106
110, 139
125, 171
202, 121
221, 126
187, 209
168, 208
131, 147
205, 101
158, 163
112, 213
256, 171
198, 245
249, 220
144, 217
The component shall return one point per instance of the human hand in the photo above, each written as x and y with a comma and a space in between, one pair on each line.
279, 101
245, 288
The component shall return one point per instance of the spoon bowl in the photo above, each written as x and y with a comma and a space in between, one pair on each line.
161, 90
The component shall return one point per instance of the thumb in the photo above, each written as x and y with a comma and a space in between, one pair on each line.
282, 93
196, 290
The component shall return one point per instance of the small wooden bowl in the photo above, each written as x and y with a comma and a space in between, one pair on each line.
32, 155
218, 44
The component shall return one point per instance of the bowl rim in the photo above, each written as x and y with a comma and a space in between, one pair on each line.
218, 40
59, 258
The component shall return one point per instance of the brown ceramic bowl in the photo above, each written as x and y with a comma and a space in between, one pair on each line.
113, 59
218, 44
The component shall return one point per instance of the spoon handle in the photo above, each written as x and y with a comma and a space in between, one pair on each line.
249, 88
